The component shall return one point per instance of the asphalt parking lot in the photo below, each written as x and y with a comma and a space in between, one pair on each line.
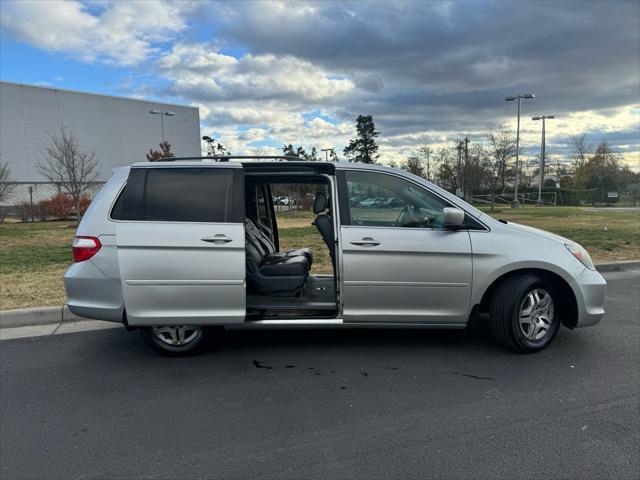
328, 404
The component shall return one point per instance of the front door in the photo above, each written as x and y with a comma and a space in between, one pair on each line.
400, 265
181, 245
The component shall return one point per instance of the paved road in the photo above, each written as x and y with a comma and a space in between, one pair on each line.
327, 404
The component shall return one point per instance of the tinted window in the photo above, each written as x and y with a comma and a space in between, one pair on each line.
377, 199
129, 203
176, 195
186, 194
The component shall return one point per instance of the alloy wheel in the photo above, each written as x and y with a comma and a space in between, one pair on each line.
176, 335
536, 314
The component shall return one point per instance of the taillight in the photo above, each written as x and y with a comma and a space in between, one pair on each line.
84, 248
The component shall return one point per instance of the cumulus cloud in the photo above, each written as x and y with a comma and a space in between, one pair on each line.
200, 72
268, 73
122, 33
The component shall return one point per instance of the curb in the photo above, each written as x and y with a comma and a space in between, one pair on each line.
47, 315
618, 266
36, 316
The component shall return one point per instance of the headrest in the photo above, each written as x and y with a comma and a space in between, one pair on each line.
320, 203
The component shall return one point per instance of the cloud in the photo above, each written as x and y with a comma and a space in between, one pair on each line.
122, 33
201, 73
269, 73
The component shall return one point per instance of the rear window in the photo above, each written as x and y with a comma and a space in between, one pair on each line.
177, 195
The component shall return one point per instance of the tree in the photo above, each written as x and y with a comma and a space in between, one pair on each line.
293, 151
158, 156
420, 162
6, 180
313, 155
503, 146
414, 165
581, 150
72, 169
446, 172
214, 149
363, 148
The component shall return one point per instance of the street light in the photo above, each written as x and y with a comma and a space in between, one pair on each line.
516, 203
326, 153
162, 114
541, 182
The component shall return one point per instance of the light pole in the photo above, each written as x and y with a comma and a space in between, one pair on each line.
541, 182
162, 114
326, 153
516, 203
460, 189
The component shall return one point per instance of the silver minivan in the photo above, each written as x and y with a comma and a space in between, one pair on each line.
183, 249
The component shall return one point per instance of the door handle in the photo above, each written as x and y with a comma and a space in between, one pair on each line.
218, 238
366, 241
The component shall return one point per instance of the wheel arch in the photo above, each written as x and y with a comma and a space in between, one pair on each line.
568, 304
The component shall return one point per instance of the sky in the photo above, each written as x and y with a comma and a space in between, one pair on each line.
266, 74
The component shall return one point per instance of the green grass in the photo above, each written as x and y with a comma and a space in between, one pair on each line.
33, 257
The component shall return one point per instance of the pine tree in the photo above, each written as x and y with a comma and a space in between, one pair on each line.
363, 148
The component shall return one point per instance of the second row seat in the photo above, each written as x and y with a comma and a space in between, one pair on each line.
284, 274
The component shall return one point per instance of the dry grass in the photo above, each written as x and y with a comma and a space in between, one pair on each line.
297, 232
33, 257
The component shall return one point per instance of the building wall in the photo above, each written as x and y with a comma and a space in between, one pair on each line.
120, 130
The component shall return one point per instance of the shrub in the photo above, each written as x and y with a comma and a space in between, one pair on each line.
62, 205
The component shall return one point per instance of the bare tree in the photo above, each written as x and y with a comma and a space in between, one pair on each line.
6, 180
503, 144
420, 162
65, 164
582, 150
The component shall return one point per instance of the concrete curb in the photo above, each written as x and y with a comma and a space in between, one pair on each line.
37, 316
49, 315
618, 266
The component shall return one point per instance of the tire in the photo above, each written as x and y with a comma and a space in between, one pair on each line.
187, 340
514, 324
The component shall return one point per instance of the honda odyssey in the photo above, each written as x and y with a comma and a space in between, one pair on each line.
181, 249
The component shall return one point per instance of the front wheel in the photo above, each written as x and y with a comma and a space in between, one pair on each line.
180, 340
523, 313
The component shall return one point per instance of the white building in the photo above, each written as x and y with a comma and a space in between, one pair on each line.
120, 130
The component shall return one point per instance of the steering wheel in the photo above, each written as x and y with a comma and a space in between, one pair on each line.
407, 217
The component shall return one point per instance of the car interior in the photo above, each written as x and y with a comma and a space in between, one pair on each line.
282, 283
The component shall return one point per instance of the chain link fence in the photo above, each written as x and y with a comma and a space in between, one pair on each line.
24, 200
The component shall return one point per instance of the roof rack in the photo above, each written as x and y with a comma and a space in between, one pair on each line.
226, 158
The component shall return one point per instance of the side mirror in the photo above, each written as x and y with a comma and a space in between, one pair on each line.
453, 217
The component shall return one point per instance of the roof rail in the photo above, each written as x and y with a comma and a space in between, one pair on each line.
226, 158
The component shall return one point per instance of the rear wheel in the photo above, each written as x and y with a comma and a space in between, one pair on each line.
523, 314
180, 340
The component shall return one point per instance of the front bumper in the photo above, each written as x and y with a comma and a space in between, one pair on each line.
590, 289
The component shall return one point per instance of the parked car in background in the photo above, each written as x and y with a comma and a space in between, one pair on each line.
371, 202
391, 203
181, 249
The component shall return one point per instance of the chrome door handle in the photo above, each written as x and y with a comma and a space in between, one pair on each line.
218, 238
366, 241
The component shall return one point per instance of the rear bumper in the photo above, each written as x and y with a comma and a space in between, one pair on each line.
590, 289
91, 294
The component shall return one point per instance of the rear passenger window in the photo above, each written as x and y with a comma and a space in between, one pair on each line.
176, 195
